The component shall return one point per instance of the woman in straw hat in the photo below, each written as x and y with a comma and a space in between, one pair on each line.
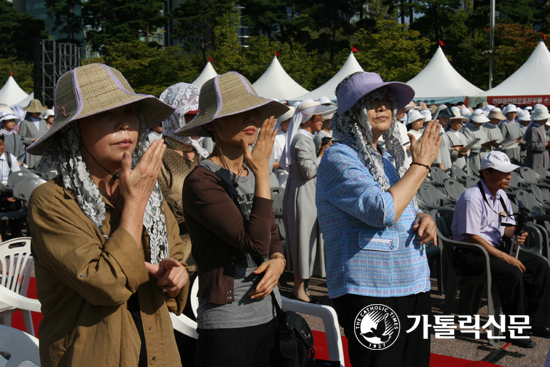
455, 141
106, 247
31, 128
306, 251
228, 212
375, 237
183, 154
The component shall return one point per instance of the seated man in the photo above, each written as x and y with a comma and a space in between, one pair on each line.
483, 215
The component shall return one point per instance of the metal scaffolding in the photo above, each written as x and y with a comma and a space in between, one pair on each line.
51, 60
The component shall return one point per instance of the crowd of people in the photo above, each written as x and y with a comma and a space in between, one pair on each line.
151, 192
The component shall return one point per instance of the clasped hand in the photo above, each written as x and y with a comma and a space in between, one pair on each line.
171, 274
273, 269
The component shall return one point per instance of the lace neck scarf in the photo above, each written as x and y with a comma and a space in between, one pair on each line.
64, 158
353, 127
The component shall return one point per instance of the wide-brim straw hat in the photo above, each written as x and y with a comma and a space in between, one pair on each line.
524, 116
227, 95
35, 106
496, 113
361, 84
457, 116
94, 88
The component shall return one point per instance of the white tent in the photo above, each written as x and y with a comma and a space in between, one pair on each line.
207, 73
277, 84
24, 102
439, 82
350, 66
11, 92
530, 84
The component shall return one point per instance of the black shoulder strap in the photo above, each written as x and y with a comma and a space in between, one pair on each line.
487, 201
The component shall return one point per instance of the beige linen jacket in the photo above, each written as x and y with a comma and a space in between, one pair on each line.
84, 283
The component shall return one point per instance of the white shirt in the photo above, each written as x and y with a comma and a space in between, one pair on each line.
6, 169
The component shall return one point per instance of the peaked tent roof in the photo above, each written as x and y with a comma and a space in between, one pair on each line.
532, 78
207, 73
24, 102
276, 83
439, 80
11, 92
350, 66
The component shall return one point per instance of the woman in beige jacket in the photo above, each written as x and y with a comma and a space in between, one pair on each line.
106, 247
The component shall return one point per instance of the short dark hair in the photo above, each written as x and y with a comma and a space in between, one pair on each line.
490, 170
2, 137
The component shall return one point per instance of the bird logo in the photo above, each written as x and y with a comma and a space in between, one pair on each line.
377, 327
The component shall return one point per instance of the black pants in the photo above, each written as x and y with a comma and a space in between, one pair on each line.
254, 346
408, 350
520, 293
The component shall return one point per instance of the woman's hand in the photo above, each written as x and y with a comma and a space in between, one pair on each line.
136, 185
171, 275
273, 269
258, 159
324, 148
425, 227
426, 149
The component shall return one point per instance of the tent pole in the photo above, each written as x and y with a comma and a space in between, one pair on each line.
492, 43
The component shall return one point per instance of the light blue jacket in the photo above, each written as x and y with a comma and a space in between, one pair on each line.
367, 253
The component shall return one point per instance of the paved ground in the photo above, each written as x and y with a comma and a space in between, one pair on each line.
463, 346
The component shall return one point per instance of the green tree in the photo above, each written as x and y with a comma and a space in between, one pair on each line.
394, 51
198, 19
67, 17
115, 21
17, 31
148, 67
22, 73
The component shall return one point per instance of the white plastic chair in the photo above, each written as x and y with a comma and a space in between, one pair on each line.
326, 313
19, 346
16, 265
24, 188
184, 324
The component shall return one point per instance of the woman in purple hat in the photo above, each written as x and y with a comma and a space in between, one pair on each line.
377, 270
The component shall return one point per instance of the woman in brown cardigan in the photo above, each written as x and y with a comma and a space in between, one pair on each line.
228, 212
108, 257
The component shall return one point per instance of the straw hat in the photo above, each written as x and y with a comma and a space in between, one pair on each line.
457, 116
94, 88
35, 107
227, 95
496, 113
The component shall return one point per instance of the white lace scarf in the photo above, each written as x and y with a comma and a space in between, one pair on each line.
353, 127
63, 156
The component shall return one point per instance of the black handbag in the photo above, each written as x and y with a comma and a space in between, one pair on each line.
295, 338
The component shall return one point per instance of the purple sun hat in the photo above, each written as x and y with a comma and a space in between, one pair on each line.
361, 84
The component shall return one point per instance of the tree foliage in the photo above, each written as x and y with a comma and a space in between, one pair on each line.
113, 21
22, 73
67, 17
17, 31
394, 51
